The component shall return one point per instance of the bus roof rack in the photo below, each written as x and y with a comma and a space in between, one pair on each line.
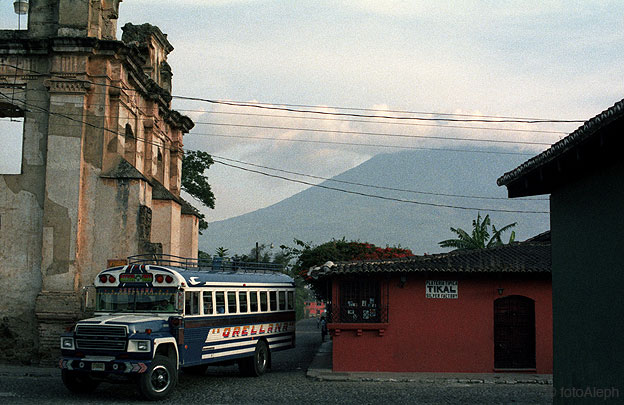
216, 264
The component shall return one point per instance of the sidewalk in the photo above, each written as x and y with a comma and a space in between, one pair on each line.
321, 370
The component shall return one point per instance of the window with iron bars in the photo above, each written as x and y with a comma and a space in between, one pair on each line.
361, 301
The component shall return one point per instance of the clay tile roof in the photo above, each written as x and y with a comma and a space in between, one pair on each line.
589, 128
532, 256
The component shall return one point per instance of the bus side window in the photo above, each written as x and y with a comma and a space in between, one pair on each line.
282, 300
242, 301
220, 302
231, 298
208, 303
273, 300
291, 300
263, 301
191, 303
253, 301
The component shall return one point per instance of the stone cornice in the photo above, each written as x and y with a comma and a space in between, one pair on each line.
67, 86
128, 54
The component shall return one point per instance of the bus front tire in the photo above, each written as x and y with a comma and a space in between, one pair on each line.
256, 365
159, 379
79, 383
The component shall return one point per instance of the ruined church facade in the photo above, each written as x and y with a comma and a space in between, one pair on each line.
101, 164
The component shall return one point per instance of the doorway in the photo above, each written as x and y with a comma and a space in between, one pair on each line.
514, 333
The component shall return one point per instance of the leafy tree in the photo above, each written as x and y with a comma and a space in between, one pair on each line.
194, 164
204, 256
480, 237
335, 251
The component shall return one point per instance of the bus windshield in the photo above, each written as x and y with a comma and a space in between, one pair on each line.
140, 299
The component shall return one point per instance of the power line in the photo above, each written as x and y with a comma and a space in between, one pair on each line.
249, 103
446, 126
379, 196
373, 186
335, 131
295, 140
260, 138
375, 122
268, 107
301, 181
298, 107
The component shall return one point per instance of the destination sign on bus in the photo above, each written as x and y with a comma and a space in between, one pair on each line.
136, 278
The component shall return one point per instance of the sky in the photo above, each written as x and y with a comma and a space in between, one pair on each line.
537, 59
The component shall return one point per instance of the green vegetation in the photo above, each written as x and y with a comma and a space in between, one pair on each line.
296, 261
480, 237
305, 256
194, 164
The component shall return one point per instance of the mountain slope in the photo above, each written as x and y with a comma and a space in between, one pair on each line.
318, 215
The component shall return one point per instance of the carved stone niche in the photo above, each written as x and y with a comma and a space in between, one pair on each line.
153, 47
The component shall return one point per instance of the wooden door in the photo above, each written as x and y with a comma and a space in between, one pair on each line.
514, 333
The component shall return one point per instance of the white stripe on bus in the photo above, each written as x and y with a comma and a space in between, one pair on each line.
227, 353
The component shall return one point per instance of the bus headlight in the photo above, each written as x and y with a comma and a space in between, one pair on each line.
67, 343
139, 346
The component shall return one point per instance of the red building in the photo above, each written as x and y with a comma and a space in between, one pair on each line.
313, 309
466, 311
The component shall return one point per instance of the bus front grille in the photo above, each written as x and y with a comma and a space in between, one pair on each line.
101, 337
99, 344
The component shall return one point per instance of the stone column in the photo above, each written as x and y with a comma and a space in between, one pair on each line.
58, 303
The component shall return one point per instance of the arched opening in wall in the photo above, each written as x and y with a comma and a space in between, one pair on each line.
514, 333
159, 166
11, 138
130, 144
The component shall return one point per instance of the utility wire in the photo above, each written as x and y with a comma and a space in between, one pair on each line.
335, 131
267, 107
298, 108
375, 186
249, 103
301, 181
262, 138
378, 196
374, 122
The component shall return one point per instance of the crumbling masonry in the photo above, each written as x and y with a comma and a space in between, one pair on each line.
101, 164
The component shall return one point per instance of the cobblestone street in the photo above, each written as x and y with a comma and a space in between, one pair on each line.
286, 383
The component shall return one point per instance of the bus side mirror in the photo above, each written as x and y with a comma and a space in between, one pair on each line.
88, 299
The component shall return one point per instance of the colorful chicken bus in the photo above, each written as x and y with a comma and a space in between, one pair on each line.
160, 314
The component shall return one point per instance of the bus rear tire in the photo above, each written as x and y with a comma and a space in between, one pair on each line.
159, 379
258, 364
77, 382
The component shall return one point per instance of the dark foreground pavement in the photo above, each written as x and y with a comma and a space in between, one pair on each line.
301, 376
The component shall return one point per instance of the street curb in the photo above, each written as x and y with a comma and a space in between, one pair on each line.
321, 370
442, 378
28, 371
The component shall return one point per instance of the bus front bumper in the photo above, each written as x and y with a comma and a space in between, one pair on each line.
94, 365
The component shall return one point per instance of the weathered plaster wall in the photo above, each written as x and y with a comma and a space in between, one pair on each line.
21, 218
77, 202
189, 235
166, 225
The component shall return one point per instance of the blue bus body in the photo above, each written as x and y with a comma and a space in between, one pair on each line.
154, 317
